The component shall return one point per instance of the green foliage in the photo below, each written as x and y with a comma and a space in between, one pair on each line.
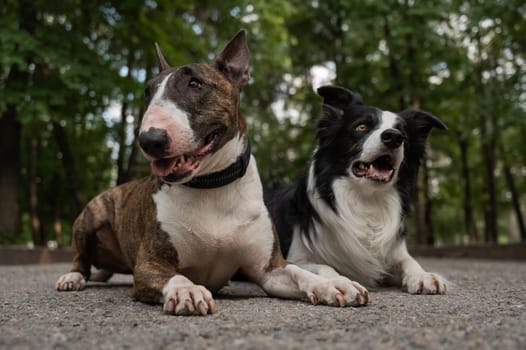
463, 61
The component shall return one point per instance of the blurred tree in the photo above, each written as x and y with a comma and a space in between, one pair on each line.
56, 82
72, 77
406, 53
387, 51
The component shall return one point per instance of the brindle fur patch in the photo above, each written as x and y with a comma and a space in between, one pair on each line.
276, 259
115, 227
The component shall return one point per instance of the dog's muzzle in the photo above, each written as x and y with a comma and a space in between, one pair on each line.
154, 142
392, 138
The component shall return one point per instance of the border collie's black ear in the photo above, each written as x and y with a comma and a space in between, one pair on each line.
233, 61
339, 97
329, 116
329, 113
163, 65
422, 121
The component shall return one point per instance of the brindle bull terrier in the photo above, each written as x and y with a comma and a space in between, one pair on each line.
199, 218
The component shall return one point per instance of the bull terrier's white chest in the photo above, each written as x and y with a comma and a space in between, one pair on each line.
214, 230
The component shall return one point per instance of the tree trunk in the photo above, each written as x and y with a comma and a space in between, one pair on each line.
37, 233
393, 64
10, 133
68, 160
122, 144
418, 194
57, 224
469, 221
428, 206
488, 156
510, 182
121, 172
487, 135
131, 170
419, 210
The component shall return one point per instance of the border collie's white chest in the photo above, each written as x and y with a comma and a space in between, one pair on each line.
374, 218
359, 235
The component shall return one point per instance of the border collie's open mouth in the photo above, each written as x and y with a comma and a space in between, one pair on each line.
379, 170
175, 168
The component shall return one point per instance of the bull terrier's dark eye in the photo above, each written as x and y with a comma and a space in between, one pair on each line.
361, 128
195, 83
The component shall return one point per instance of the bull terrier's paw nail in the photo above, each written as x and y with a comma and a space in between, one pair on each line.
425, 283
341, 301
70, 281
202, 307
190, 300
341, 292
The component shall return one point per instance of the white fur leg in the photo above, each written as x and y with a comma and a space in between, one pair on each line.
293, 282
340, 291
320, 270
182, 297
414, 279
424, 283
70, 281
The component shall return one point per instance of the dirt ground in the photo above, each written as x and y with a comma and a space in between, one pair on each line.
485, 309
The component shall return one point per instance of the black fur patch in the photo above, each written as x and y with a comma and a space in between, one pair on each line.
417, 126
289, 206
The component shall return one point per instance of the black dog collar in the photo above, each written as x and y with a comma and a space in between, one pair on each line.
225, 176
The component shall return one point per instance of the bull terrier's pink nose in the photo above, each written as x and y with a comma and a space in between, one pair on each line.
154, 142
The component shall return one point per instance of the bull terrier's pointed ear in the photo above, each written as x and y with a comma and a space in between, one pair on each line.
163, 65
422, 121
233, 61
339, 97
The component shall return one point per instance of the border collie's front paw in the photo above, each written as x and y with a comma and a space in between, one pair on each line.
339, 291
424, 283
70, 281
189, 300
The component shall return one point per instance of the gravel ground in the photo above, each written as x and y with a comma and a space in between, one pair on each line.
486, 309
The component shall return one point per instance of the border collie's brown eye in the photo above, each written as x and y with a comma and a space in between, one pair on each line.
361, 128
195, 83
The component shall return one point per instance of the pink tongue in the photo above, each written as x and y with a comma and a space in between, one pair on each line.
163, 167
376, 173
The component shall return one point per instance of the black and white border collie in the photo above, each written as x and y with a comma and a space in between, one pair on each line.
346, 215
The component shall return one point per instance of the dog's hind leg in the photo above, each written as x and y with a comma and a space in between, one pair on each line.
101, 275
94, 218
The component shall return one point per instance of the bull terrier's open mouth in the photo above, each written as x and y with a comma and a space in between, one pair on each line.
174, 168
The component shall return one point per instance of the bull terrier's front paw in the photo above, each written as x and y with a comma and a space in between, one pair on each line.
424, 283
70, 281
189, 300
340, 291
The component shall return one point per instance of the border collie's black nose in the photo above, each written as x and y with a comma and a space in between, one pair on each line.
392, 138
154, 142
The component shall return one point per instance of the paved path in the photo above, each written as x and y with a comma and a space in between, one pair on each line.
485, 310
